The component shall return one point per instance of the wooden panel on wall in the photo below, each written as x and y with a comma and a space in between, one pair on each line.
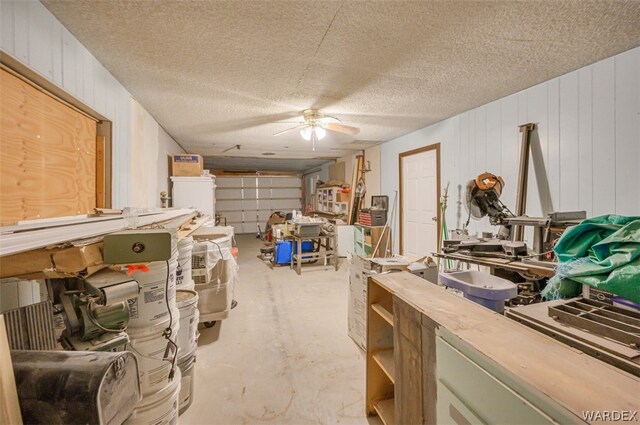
47, 155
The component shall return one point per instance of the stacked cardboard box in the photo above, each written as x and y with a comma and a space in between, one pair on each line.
360, 269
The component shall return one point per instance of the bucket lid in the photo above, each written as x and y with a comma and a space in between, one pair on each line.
185, 295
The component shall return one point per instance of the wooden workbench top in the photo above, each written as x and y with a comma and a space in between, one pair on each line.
574, 380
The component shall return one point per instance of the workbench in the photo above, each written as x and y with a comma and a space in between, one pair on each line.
433, 357
330, 251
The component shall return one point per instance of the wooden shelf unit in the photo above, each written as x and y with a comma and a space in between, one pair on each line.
331, 200
366, 238
380, 367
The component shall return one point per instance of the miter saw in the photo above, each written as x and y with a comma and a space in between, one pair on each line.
482, 198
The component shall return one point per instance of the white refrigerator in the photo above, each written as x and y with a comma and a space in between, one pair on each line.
195, 192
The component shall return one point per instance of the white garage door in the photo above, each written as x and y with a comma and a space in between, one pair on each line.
247, 201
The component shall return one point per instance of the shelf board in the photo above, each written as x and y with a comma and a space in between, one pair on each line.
386, 411
383, 312
384, 358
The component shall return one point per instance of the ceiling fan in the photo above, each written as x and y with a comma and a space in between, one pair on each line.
316, 124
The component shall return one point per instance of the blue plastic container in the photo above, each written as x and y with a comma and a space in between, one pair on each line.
283, 252
307, 246
482, 288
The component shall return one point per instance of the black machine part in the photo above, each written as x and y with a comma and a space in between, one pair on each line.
73, 387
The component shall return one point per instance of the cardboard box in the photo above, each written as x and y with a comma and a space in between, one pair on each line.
186, 165
360, 269
56, 262
343, 196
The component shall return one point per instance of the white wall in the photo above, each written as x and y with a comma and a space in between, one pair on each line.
587, 153
349, 164
322, 174
33, 36
150, 145
372, 178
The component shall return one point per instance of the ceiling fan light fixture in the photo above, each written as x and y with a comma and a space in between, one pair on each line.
320, 132
309, 131
305, 132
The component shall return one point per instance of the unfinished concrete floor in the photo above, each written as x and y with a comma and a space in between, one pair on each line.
283, 356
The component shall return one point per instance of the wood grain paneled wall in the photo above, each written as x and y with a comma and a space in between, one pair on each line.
585, 155
47, 155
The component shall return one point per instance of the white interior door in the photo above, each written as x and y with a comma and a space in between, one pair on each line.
420, 203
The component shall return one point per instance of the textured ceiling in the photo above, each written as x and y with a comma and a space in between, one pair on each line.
220, 73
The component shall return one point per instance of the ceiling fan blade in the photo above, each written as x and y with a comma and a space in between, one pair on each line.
290, 129
341, 128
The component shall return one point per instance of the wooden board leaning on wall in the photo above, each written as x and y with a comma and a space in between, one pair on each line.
47, 155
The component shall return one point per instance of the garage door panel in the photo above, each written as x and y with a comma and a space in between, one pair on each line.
226, 182
249, 193
250, 204
234, 216
234, 193
285, 204
251, 227
264, 204
249, 182
228, 205
249, 201
286, 193
263, 215
285, 182
264, 181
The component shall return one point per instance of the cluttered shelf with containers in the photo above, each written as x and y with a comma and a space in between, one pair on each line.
106, 307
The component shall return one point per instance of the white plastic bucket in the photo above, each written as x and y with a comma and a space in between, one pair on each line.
160, 408
149, 346
187, 369
187, 303
157, 289
183, 272
216, 296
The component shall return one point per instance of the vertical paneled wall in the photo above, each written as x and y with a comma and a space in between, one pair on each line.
33, 36
586, 154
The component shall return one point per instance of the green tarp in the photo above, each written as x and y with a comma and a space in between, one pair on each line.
602, 252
